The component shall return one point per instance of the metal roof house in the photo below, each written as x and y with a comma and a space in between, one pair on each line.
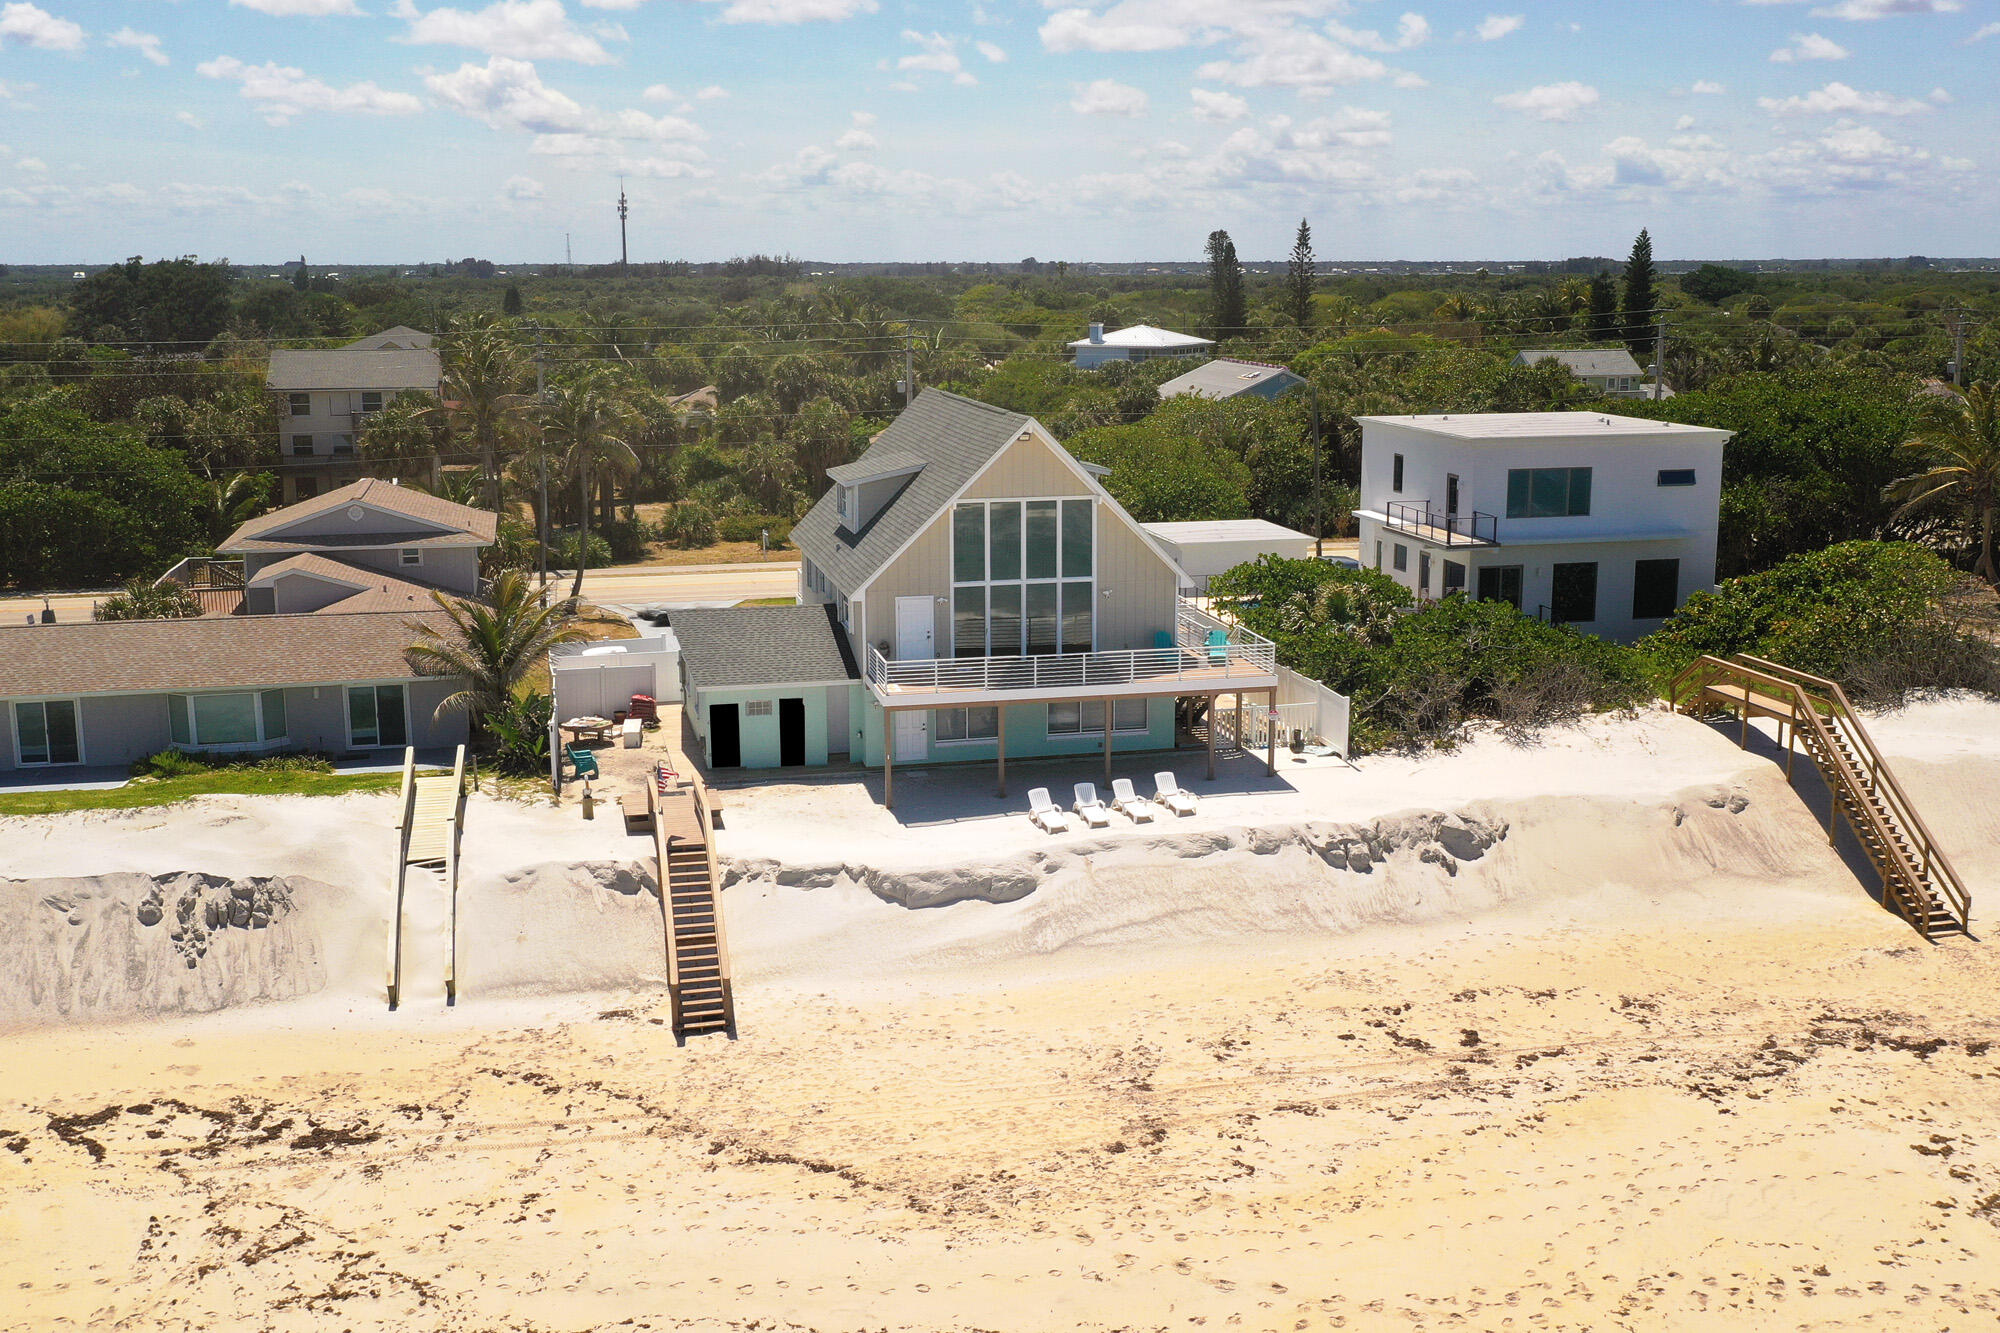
969, 591
325, 397
1225, 377
1609, 370
1136, 342
1603, 522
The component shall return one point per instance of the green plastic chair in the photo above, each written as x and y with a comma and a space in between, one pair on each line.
584, 760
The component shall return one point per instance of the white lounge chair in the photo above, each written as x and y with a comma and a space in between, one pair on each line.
1046, 815
1130, 803
1089, 807
1169, 792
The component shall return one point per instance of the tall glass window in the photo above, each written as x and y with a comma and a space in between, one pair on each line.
1024, 577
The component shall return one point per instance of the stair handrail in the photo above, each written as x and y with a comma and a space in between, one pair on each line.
1897, 873
1943, 873
704, 819
405, 820
451, 878
660, 846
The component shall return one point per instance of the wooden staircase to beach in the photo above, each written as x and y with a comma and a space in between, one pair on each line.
432, 825
1813, 714
698, 983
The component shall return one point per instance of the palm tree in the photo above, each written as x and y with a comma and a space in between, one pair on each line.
492, 644
483, 371
229, 503
1961, 434
586, 422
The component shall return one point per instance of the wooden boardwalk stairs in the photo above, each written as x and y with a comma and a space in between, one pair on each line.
1918, 880
432, 825
698, 983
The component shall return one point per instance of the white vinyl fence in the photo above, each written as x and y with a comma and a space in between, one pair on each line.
1306, 709
601, 678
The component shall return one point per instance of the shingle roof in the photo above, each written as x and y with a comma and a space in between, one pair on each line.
212, 653
354, 368
403, 336
373, 589
1585, 361
467, 525
955, 437
745, 646
1145, 335
875, 463
1225, 378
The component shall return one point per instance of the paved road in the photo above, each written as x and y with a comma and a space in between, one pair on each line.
623, 585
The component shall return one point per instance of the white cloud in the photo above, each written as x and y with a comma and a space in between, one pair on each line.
1864, 10
1412, 30
660, 92
795, 11
992, 52
1107, 97
284, 92
937, 54
289, 9
31, 164
1837, 99
145, 43
1707, 88
857, 139
1990, 30
523, 188
1810, 46
526, 29
507, 94
31, 25
714, 92
1495, 26
1307, 62
1684, 123
1218, 106
191, 120
1551, 101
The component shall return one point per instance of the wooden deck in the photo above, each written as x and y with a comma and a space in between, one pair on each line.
1198, 677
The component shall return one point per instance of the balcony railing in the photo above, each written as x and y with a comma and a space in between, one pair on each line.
1435, 525
1206, 652
205, 571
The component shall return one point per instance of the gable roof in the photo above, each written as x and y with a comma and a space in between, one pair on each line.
1145, 336
1225, 377
354, 368
465, 526
876, 463
400, 337
1585, 361
953, 437
373, 590
741, 647
211, 653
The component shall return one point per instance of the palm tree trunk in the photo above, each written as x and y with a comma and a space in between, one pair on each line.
1984, 567
582, 528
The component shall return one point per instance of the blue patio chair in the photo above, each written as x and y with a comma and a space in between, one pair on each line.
584, 760
1163, 638
1218, 647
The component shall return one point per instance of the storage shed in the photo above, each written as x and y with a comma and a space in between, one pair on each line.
1207, 548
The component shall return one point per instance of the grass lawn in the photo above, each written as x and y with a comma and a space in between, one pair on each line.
219, 782
770, 601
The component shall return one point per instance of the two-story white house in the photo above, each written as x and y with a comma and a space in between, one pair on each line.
1603, 522
325, 398
1610, 371
968, 591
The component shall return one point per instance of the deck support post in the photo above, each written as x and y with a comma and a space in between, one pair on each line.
1238, 736
1107, 743
888, 758
1743, 713
1791, 731
1271, 738
1211, 738
1003, 751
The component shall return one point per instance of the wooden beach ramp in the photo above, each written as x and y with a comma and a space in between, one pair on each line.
698, 984
1813, 714
423, 932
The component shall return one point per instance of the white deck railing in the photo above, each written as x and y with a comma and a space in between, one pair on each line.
1206, 649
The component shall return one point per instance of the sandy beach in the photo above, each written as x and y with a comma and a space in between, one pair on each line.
1596, 1033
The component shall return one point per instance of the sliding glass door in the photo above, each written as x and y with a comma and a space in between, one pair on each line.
375, 716
47, 732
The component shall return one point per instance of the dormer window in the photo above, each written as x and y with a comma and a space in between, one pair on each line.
849, 498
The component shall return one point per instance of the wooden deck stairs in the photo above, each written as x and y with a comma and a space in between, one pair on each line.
1918, 880
432, 825
698, 982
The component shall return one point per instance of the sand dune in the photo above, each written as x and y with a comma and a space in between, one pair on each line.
1638, 1053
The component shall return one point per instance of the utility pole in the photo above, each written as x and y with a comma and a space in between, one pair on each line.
1659, 357
909, 371
624, 258
569, 256
1957, 315
1319, 508
541, 467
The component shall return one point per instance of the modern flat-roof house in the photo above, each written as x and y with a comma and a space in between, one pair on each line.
1599, 521
1225, 377
325, 398
1137, 342
1611, 371
1208, 547
969, 592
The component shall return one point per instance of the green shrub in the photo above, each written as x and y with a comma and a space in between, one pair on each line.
689, 525
748, 527
563, 549
520, 732
301, 762
626, 539
169, 764
142, 600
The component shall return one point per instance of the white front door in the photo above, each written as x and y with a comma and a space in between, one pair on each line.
912, 734
916, 632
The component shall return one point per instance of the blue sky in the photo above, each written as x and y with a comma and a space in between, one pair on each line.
381, 130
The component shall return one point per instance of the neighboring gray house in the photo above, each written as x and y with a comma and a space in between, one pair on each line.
1138, 342
326, 397
1228, 378
1609, 370
111, 692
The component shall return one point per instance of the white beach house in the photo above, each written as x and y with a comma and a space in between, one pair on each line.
1599, 521
1137, 342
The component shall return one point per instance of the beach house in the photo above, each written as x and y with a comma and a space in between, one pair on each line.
1599, 521
968, 591
325, 398
1226, 377
1611, 371
1136, 342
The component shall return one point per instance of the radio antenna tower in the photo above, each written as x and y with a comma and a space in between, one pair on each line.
624, 257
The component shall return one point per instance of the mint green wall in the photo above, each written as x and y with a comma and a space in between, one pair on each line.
760, 734
1026, 725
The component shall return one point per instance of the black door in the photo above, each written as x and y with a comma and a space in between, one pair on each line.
1500, 583
791, 732
1451, 494
725, 736
1573, 594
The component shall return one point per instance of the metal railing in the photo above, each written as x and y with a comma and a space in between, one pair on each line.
1206, 648
204, 571
1473, 529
